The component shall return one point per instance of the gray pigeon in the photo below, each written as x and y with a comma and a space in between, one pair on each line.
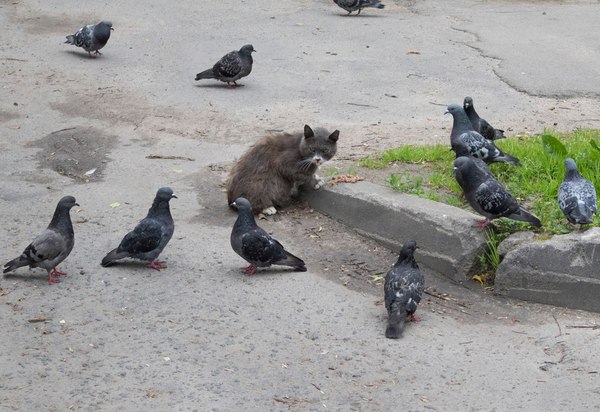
486, 195
481, 125
255, 245
577, 196
464, 139
150, 236
92, 37
233, 66
403, 290
52, 246
353, 5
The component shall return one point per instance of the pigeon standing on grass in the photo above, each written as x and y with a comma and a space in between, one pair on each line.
92, 37
481, 125
52, 246
486, 195
255, 245
233, 66
354, 5
403, 290
577, 196
464, 138
150, 236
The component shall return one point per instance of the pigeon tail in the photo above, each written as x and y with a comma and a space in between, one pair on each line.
112, 256
70, 39
524, 216
293, 261
507, 159
206, 74
395, 326
580, 215
15, 264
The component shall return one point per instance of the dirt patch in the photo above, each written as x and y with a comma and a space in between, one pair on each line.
80, 153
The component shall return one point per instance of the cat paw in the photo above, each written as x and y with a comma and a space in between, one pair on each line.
319, 183
269, 211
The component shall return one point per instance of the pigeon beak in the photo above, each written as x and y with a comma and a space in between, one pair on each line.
173, 196
112, 29
233, 205
446, 113
77, 204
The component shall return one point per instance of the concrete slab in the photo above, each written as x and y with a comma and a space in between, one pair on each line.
560, 271
447, 241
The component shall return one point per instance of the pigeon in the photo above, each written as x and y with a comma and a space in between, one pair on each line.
148, 239
52, 246
577, 196
233, 66
353, 5
486, 195
92, 37
255, 245
481, 125
464, 139
403, 290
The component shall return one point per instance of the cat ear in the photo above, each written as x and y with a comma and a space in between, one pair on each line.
308, 132
334, 136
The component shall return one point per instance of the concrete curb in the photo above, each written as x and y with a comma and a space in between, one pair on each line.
447, 242
563, 271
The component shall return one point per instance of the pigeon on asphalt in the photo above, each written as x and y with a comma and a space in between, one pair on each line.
255, 245
92, 37
486, 195
52, 246
353, 5
150, 236
480, 125
577, 196
233, 66
464, 138
403, 290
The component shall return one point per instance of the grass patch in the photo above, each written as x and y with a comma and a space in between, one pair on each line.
534, 184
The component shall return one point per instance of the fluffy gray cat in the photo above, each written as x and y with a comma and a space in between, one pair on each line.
271, 172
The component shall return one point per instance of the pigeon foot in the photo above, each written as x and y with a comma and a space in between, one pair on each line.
57, 272
250, 270
157, 265
482, 224
413, 318
52, 279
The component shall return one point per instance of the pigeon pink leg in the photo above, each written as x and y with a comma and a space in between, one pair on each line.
57, 272
52, 279
482, 224
157, 265
250, 270
413, 318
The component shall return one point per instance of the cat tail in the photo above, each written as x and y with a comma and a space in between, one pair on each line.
206, 74
293, 261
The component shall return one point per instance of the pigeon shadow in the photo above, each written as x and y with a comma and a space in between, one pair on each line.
131, 264
217, 86
368, 16
30, 277
83, 55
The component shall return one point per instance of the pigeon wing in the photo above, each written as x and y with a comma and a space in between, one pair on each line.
83, 37
144, 238
47, 246
494, 199
230, 65
259, 247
